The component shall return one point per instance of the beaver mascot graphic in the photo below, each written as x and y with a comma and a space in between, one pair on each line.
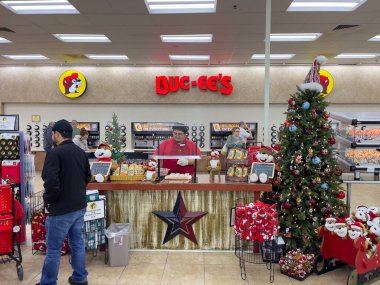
72, 83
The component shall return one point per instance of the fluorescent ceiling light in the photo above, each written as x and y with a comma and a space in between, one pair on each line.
40, 7
273, 56
180, 6
324, 5
82, 38
4, 41
26, 56
297, 37
108, 56
357, 55
202, 38
189, 57
375, 38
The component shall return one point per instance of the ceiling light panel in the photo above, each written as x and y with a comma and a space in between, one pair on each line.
189, 57
201, 38
4, 41
273, 56
375, 39
298, 37
26, 56
40, 7
357, 55
324, 5
180, 6
108, 56
82, 38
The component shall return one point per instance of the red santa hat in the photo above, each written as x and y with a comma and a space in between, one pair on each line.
358, 226
330, 218
312, 80
340, 221
104, 146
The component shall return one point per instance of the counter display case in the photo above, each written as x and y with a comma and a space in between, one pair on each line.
357, 138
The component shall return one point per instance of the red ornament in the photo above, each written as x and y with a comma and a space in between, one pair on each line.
328, 211
326, 115
338, 172
324, 152
295, 172
312, 202
277, 180
110, 129
332, 141
328, 171
341, 195
291, 102
287, 205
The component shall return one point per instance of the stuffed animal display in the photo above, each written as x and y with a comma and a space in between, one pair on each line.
214, 165
104, 154
263, 156
151, 173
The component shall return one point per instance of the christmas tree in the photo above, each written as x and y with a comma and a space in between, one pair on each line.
114, 139
310, 189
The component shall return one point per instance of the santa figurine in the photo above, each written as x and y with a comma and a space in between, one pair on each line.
361, 214
341, 228
356, 230
150, 173
330, 224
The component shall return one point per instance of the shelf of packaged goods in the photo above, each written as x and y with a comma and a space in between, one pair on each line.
365, 167
352, 144
357, 118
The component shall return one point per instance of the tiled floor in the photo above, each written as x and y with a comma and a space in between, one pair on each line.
180, 268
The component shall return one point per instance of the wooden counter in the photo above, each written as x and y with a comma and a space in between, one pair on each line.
132, 202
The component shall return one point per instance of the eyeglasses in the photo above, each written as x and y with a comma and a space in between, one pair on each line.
178, 134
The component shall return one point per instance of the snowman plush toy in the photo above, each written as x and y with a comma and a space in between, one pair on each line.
150, 173
103, 154
263, 156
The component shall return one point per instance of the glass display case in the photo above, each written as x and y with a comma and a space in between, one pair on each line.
357, 137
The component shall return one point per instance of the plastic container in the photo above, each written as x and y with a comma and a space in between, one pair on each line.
118, 235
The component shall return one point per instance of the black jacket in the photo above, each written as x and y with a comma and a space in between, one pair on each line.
65, 174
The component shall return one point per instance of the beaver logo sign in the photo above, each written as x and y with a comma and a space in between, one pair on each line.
327, 82
72, 84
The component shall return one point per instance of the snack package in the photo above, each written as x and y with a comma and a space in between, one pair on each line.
231, 171
231, 154
239, 171
117, 171
123, 169
139, 170
239, 154
245, 171
131, 169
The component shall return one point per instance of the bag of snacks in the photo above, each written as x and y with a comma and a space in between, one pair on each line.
231, 153
231, 171
123, 169
131, 169
239, 154
239, 171
139, 170
245, 171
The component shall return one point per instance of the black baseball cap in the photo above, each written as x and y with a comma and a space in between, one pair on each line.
63, 127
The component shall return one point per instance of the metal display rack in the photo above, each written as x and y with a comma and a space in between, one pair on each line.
356, 123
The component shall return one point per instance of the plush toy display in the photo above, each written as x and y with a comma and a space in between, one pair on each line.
356, 230
265, 155
362, 214
103, 154
151, 173
214, 165
341, 229
330, 224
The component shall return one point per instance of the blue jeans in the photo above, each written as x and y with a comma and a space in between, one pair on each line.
57, 228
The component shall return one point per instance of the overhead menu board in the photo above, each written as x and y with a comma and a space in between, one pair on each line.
227, 127
154, 127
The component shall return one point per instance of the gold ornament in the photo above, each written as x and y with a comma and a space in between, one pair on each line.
311, 151
299, 200
318, 179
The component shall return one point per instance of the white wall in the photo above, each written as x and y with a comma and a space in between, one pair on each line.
189, 114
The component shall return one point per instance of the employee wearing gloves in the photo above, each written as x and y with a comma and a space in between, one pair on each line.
178, 145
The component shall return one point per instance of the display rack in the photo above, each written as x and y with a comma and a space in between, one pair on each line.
355, 134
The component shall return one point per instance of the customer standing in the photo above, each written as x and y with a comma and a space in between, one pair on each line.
81, 139
234, 140
245, 132
65, 174
48, 140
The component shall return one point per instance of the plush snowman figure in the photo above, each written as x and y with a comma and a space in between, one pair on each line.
356, 230
151, 174
103, 154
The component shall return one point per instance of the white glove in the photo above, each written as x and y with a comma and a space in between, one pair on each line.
183, 162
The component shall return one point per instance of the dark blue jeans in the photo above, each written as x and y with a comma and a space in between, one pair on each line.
57, 228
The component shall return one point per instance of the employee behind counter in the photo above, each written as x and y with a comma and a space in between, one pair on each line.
178, 145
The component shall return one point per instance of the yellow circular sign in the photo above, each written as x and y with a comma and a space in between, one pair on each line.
327, 82
72, 84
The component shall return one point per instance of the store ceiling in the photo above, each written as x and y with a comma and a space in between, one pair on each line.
238, 29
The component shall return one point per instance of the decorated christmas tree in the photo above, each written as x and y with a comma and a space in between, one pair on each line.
310, 189
114, 138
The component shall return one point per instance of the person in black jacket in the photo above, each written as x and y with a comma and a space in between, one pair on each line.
65, 174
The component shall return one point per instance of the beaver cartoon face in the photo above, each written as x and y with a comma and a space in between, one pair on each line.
72, 83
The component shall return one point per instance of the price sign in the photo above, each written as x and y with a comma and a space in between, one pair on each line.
267, 168
101, 168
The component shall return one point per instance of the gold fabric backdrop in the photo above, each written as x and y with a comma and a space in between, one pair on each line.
212, 231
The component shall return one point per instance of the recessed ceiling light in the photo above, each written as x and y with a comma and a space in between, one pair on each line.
375, 38
189, 57
297, 37
180, 6
202, 38
324, 5
26, 56
273, 56
357, 55
40, 7
108, 56
4, 41
82, 38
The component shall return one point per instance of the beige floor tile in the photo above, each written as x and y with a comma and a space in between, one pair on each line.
142, 274
183, 274
216, 274
185, 258
221, 258
8, 274
156, 257
258, 274
104, 275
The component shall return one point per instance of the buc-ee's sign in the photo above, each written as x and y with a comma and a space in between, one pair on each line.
218, 83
